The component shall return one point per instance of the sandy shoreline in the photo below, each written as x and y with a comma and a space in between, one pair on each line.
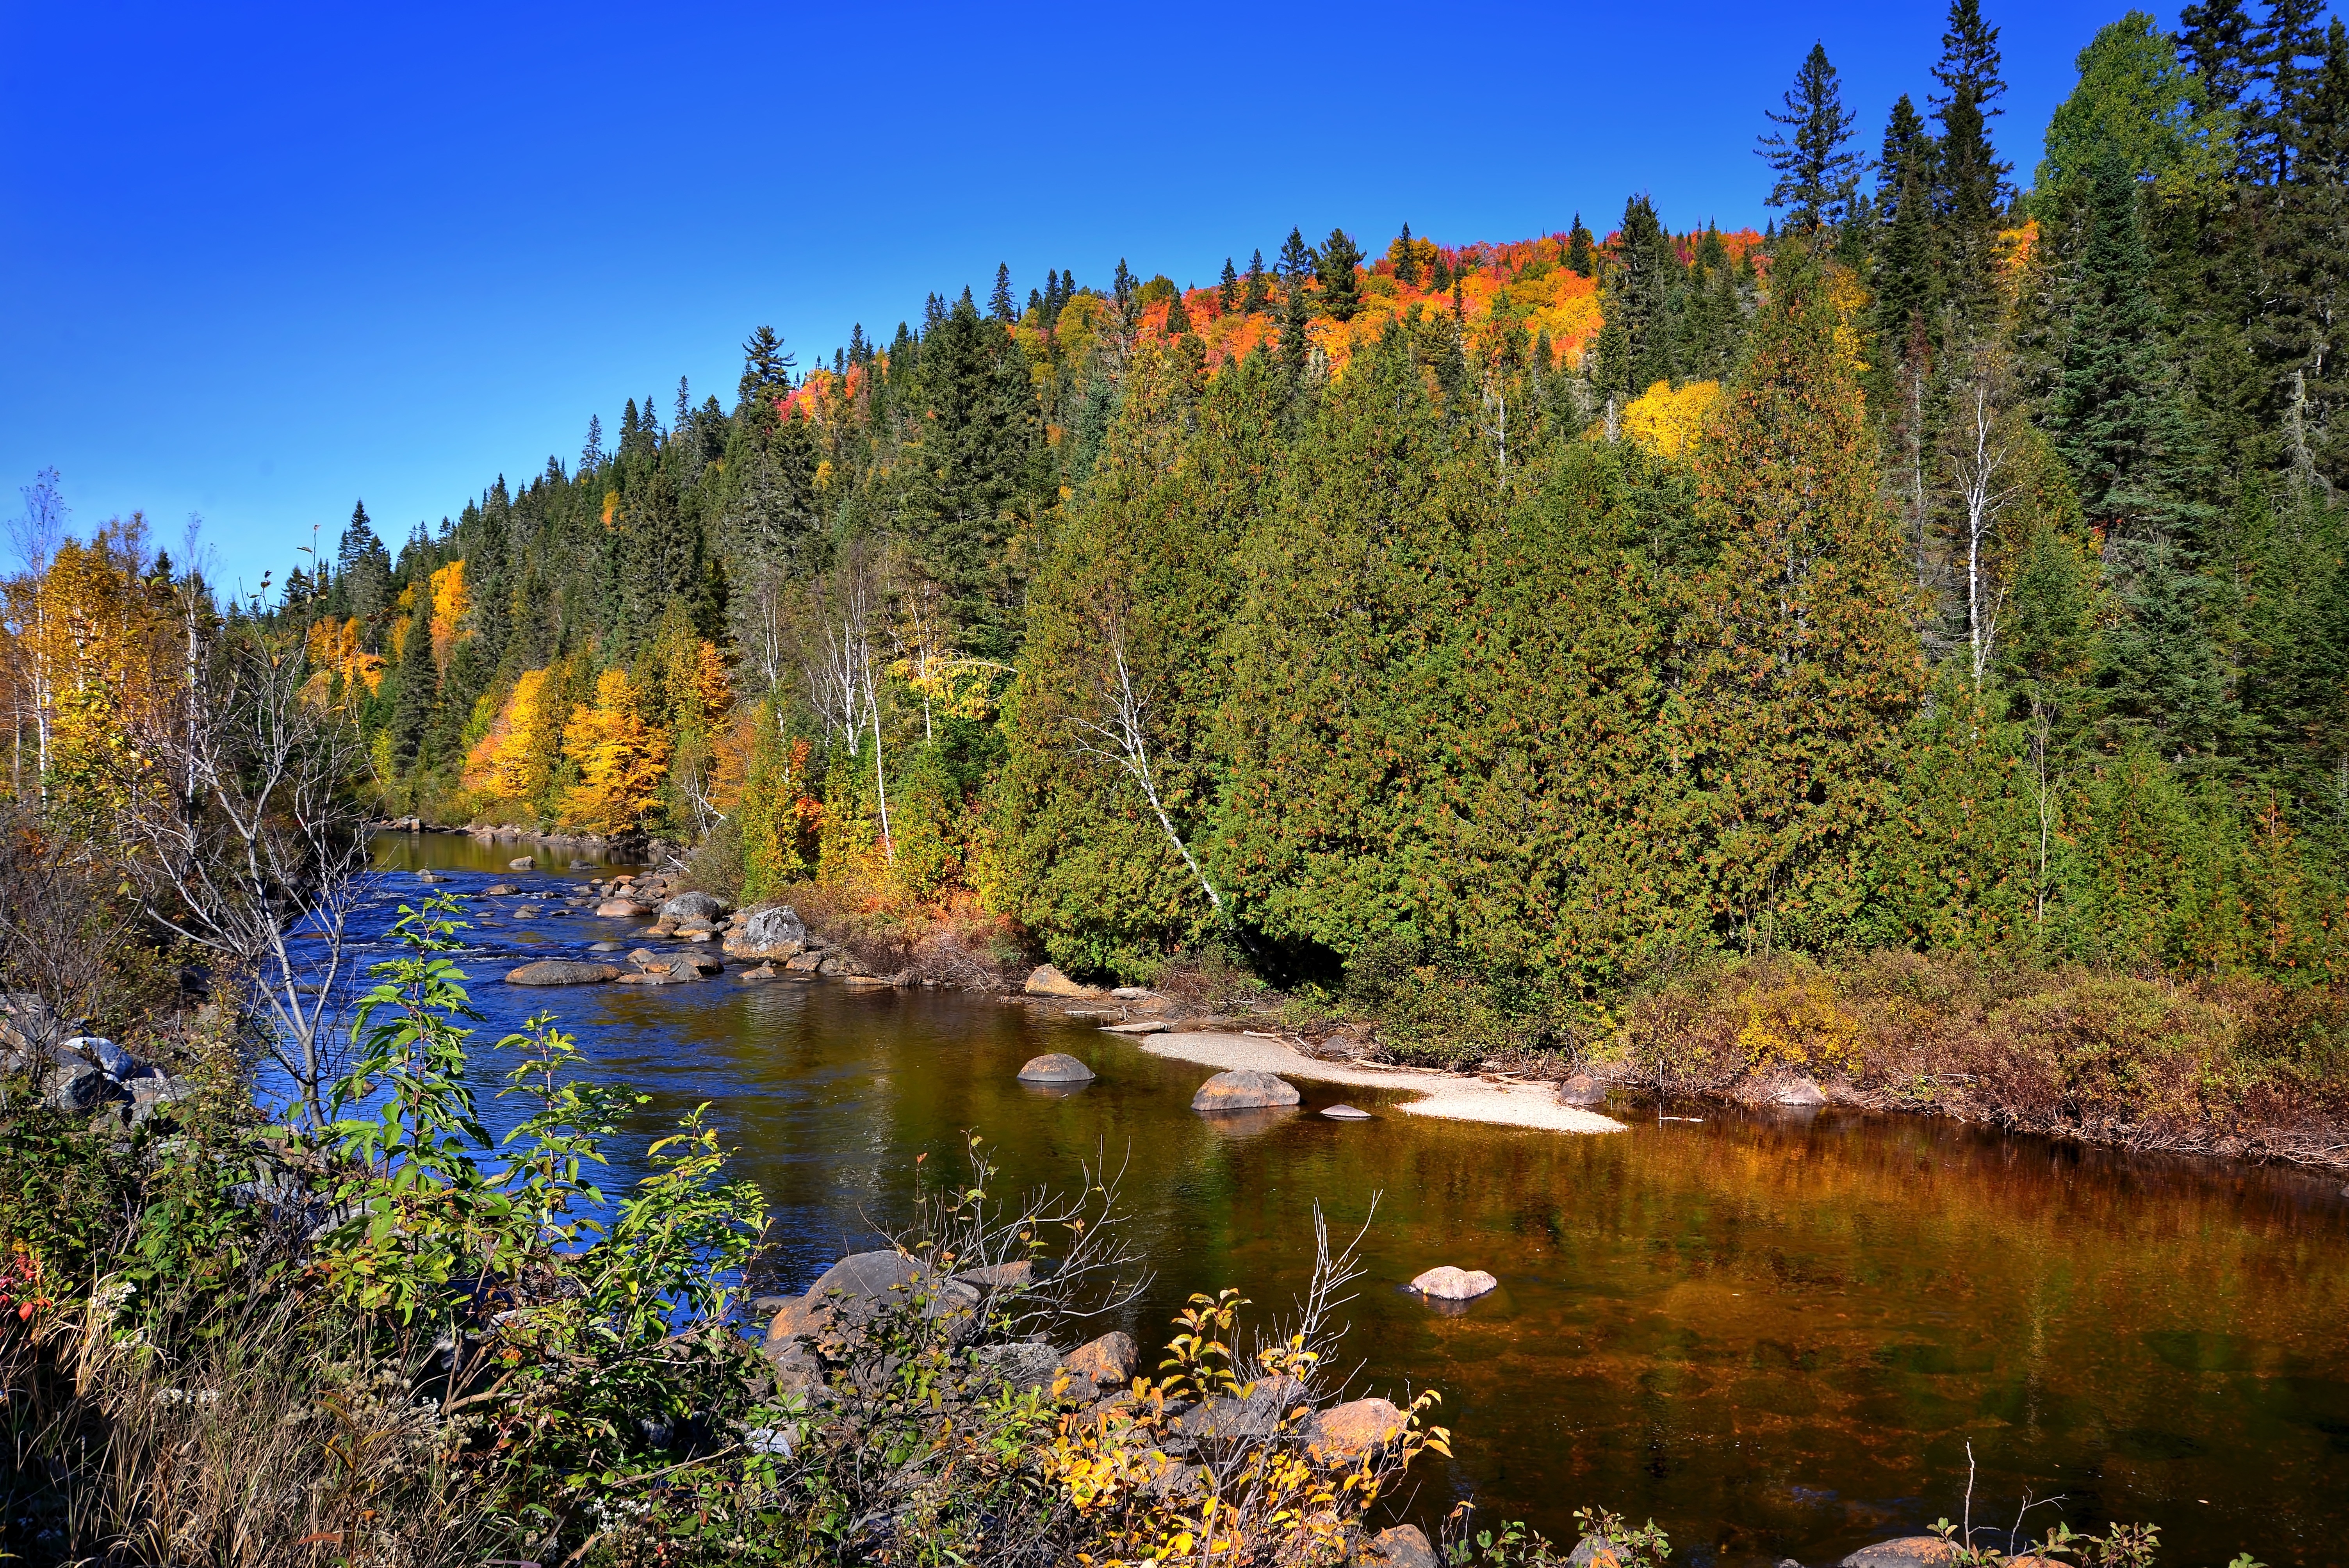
1446, 1095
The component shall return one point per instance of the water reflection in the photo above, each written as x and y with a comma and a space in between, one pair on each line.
1773, 1334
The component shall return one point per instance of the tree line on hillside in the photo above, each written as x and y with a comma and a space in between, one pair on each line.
1950, 566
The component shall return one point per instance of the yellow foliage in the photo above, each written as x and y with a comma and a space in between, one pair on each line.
448, 605
334, 648
621, 758
1797, 1021
515, 761
1668, 422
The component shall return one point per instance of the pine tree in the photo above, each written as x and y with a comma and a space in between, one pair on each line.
1178, 316
1227, 288
1816, 174
1580, 258
1340, 291
590, 453
1639, 297
1297, 259
1971, 195
2113, 415
1907, 280
418, 685
2287, 60
999, 304
766, 371
1259, 294
1406, 260
2214, 37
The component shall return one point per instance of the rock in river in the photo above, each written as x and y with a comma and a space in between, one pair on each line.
777, 933
562, 972
1109, 1361
1398, 1546
500, 890
1907, 1551
623, 909
1345, 1113
521, 863
693, 907
1357, 1427
1449, 1283
1056, 1068
1243, 1091
1582, 1089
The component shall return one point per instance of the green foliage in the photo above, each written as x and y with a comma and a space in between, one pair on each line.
2137, 106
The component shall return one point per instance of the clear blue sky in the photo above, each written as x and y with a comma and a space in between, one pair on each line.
264, 260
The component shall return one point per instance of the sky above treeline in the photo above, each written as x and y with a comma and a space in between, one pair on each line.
263, 260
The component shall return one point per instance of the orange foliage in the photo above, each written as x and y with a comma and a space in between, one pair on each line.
333, 650
515, 761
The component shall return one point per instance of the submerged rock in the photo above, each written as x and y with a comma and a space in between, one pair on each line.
1449, 1283
1056, 1067
1906, 1552
1357, 1427
1244, 1091
562, 972
1345, 1113
499, 890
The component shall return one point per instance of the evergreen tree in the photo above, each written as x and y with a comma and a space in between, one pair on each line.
999, 304
1905, 275
766, 370
1297, 259
2287, 57
1817, 172
418, 685
1580, 258
590, 453
1227, 288
1341, 293
1971, 195
2214, 38
363, 570
2113, 415
1178, 315
1259, 295
1406, 260
1640, 297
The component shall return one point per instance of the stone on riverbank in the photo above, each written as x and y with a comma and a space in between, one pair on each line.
1345, 1113
1398, 1546
623, 909
1045, 980
1139, 1027
1358, 1427
1056, 1067
1449, 1283
1906, 1552
1582, 1089
562, 972
522, 863
1243, 1091
1798, 1091
777, 933
1107, 1362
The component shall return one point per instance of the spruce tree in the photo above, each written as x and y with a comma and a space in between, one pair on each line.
999, 304
1580, 258
1259, 295
1907, 278
419, 682
1297, 259
1971, 196
1817, 172
1227, 288
1340, 291
1178, 315
2214, 37
1406, 260
2287, 57
766, 370
2113, 415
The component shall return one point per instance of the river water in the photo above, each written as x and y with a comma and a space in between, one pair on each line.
1777, 1335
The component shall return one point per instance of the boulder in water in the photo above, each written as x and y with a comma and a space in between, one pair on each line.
1398, 1546
562, 972
500, 890
623, 909
698, 908
521, 863
1449, 1283
1345, 1113
777, 933
1243, 1091
1056, 1068
1581, 1089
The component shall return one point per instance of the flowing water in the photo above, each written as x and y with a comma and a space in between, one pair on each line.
1775, 1336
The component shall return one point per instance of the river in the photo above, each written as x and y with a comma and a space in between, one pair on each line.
1773, 1334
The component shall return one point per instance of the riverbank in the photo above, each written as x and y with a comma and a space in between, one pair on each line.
1449, 1097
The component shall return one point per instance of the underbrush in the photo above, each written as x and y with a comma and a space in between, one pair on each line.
2228, 1065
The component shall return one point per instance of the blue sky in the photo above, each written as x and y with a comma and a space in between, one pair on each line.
261, 261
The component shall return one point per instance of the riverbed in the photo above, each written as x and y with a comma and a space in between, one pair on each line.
1775, 1334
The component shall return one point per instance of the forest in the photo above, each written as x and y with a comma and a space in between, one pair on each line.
1954, 567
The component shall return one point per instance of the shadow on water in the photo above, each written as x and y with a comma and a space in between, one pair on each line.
1774, 1335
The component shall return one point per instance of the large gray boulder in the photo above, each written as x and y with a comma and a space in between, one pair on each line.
849, 1292
1243, 1091
112, 1060
698, 908
77, 1086
1906, 1551
1398, 1546
777, 933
